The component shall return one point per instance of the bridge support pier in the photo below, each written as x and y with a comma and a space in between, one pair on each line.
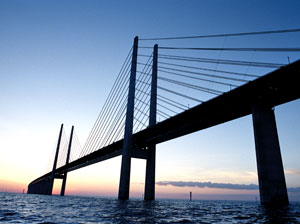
150, 175
272, 186
63, 185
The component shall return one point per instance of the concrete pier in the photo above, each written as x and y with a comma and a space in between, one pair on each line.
150, 175
272, 186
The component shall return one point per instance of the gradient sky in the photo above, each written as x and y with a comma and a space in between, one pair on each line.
59, 59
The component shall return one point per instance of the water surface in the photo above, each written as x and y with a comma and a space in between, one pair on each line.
23, 208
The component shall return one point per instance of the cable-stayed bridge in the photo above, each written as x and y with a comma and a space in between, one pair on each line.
164, 92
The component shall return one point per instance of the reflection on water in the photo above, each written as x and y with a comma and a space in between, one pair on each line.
23, 208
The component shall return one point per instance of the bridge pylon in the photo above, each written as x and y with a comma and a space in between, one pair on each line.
127, 145
150, 165
45, 186
272, 186
129, 150
63, 186
55, 161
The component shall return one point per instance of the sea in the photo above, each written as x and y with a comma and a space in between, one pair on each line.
26, 208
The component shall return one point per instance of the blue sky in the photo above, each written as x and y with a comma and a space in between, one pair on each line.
59, 59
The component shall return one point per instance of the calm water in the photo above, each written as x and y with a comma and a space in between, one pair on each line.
23, 208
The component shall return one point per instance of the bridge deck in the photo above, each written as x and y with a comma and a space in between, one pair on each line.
275, 88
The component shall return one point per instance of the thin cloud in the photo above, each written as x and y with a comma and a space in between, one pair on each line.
208, 185
296, 172
216, 185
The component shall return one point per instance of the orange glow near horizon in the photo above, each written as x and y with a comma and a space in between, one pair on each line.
110, 189
102, 179
12, 186
137, 190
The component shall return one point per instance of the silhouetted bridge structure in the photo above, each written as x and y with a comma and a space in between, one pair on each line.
256, 97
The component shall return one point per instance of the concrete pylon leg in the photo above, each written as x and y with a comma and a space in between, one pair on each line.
150, 166
55, 162
63, 186
127, 144
150, 175
272, 186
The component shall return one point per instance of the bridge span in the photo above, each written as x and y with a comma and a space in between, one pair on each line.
257, 97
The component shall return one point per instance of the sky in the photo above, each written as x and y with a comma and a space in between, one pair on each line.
58, 62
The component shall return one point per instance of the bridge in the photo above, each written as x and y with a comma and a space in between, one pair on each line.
127, 125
